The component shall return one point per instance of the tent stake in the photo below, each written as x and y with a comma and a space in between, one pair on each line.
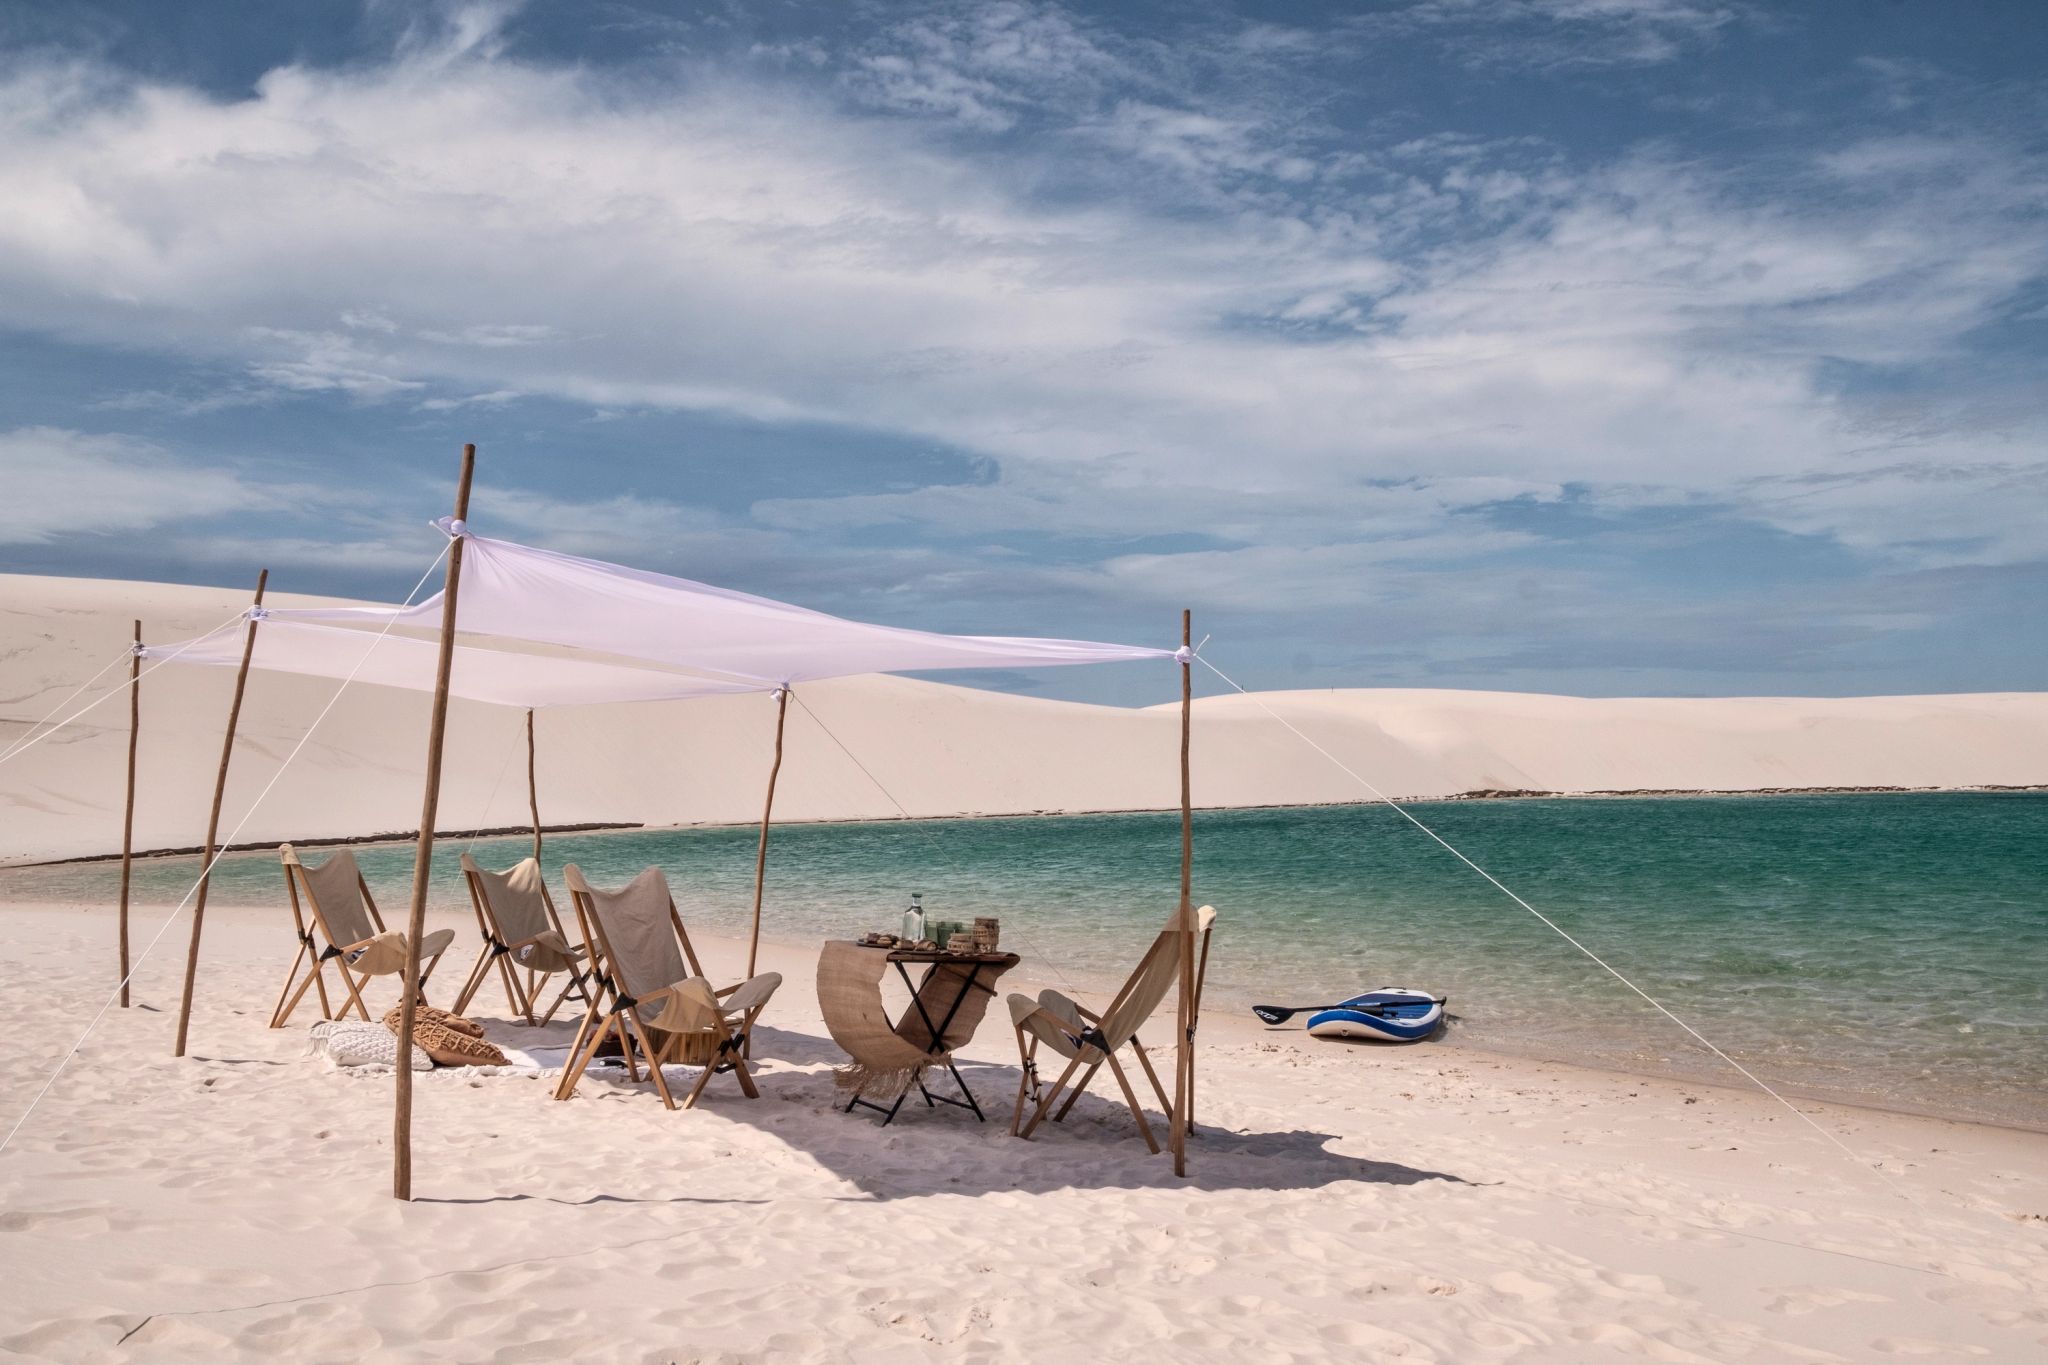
220, 789
1184, 1068
767, 808
532, 790
128, 816
423, 856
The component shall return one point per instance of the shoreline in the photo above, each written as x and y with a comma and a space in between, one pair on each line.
629, 826
1227, 1021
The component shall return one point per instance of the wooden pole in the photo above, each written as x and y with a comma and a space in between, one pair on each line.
220, 788
1184, 1069
532, 790
767, 808
423, 855
128, 817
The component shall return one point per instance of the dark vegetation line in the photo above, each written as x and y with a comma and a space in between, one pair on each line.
394, 836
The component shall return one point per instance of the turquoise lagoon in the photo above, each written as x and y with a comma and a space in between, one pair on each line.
1887, 948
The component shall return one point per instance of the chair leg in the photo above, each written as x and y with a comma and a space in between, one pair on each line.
652, 1054
579, 1062
560, 1000
426, 975
1027, 1065
1165, 1104
284, 1009
1080, 1086
1050, 1096
740, 1069
355, 993
1131, 1098
475, 980
320, 985
583, 1027
697, 1088
521, 1006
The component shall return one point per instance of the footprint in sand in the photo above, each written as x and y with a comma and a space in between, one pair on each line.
1797, 1300
78, 1222
1516, 1285
1920, 1346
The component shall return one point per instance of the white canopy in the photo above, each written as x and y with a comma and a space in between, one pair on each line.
487, 675
523, 593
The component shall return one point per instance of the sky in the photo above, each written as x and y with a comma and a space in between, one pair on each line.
1613, 347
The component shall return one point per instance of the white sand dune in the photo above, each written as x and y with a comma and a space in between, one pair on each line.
939, 750
1426, 1204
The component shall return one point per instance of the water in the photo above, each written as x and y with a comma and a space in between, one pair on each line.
1885, 948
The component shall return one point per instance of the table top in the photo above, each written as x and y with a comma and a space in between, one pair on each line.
938, 955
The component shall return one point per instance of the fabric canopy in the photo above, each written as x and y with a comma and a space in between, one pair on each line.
523, 593
487, 675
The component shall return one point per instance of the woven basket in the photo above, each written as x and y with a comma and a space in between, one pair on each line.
988, 932
696, 1049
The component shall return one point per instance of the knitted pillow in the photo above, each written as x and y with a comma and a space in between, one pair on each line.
351, 1043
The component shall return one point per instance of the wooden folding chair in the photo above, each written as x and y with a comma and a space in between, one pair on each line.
1088, 1039
523, 940
332, 902
653, 995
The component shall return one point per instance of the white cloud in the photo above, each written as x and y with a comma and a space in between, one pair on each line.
984, 64
1569, 33
66, 483
1259, 361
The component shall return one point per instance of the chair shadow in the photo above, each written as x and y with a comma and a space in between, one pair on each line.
940, 1149
1097, 1146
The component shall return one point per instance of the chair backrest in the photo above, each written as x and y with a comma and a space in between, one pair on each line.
1157, 972
635, 928
334, 891
516, 899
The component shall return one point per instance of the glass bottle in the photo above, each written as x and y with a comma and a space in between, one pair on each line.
913, 919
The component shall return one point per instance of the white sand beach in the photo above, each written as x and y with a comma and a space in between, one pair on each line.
1434, 1203
1429, 1204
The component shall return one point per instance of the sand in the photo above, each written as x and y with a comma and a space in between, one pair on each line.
1429, 1203
927, 748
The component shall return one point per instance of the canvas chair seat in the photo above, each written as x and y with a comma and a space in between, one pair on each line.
338, 923
547, 953
384, 953
1054, 1020
661, 1005
1091, 1040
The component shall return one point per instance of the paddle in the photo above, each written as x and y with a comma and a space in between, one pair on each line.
1280, 1014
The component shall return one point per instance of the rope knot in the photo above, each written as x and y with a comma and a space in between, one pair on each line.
1184, 655
452, 527
258, 613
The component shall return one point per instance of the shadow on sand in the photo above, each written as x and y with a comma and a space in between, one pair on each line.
929, 1150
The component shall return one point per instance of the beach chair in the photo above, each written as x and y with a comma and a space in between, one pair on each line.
888, 1058
655, 997
1091, 1040
337, 921
523, 940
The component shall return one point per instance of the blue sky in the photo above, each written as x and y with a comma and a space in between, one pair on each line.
1601, 346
